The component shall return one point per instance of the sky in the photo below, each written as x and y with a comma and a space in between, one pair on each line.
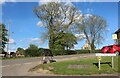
24, 28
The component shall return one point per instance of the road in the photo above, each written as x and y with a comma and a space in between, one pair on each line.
20, 67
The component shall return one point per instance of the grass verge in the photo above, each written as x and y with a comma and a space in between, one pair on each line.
84, 66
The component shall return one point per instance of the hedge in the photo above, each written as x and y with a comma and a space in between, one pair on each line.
63, 52
32, 53
87, 51
69, 52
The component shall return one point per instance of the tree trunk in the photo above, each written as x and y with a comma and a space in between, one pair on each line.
51, 41
92, 45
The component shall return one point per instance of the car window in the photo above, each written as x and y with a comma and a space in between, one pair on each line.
110, 46
118, 45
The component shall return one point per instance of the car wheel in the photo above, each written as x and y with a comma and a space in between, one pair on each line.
117, 53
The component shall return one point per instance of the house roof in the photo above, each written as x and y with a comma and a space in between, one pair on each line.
117, 31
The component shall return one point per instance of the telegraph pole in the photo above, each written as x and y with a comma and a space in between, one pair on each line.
8, 36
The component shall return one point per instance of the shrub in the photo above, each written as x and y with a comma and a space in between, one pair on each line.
96, 51
63, 52
87, 51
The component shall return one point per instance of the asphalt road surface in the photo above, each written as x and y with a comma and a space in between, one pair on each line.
20, 67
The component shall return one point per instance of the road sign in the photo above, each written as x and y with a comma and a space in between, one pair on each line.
99, 57
107, 54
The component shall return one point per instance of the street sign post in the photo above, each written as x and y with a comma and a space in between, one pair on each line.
99, 58
107, 54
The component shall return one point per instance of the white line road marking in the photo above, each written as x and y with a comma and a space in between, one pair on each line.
28, 63
6, 66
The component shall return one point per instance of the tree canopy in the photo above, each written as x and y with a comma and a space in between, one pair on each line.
65, 40
56, 17
94, 29
32, 50
4, 40
20, 51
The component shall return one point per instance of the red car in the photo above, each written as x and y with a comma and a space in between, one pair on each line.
111, 49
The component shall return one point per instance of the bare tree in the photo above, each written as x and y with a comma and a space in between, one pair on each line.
56, 17
94, 29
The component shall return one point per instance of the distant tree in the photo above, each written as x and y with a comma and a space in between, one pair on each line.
32, 50
20, 51
3, 36
94, 29
33, 47
56, 17
40, 51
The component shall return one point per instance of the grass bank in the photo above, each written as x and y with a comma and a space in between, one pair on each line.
84, 66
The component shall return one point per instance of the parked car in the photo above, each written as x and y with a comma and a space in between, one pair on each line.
5, 54
111, 49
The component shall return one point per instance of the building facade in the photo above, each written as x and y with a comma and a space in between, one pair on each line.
86, 46
118, 36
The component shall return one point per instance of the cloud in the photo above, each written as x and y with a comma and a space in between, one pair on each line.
11, 41
12, 0
38, 40
68, 2
3, 1
35, 39
32, 40
46, 1
50, 0
88, 15
24, 39
40, 24
80, 36
21, 40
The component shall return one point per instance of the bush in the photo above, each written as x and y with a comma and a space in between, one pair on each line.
87, 51
58, 52
63, 52
69, 52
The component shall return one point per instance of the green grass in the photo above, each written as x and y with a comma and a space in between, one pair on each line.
62, 67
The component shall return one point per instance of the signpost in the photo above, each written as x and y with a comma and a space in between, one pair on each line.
99, 58
107, 54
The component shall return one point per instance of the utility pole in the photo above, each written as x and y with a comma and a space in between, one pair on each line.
8, 37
